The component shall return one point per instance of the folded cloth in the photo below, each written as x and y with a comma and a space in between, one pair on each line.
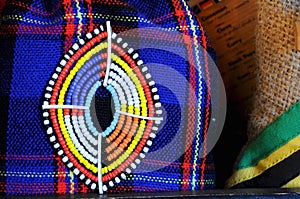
271, 158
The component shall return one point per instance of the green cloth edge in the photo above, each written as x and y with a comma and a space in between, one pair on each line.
275, 135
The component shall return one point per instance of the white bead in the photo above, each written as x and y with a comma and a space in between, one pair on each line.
101, 27
158, 104
93, 186
67, 56
65, 159
58, 69
63, 62
148, 76
96, 31
156, 97
111, 183
51, 82
124, 45
104, 188
119, 40
144, 69
88, 181
70, 164
123, 176
76, 171
46, 122
154, 90
152, 135
52, 138
81, 41
154, 128
133, 165
149, 142
157, 122
45, 114
117, 180
142, 155
137, 161
82, 177
128, 170
47, 95
54, 76
60, 152
75, 46
140, 62
146, 149
135, 56
159, 112
151, 83
130, 50
49, 88
113, 35
49, 130
89, 35
56, 145
71, 52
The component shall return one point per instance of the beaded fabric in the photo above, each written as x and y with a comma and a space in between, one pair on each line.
45, 62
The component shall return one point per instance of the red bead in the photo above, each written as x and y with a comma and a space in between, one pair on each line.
104, 178
54, 122
52, 101
66, 111
66, 70
60, 79
56, 87
85, 48
88, 45
92, 42
73, 160
94, 178
80, 113
76, 56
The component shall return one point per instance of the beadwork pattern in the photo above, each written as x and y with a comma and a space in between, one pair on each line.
35, 35
136, 102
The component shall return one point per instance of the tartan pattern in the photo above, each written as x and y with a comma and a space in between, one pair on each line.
35, 34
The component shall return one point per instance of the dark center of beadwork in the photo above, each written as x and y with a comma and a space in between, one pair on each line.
104, 107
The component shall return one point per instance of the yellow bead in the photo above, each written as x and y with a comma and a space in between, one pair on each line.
123, 106
88, 165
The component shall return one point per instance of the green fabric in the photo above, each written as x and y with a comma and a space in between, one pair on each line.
278, 133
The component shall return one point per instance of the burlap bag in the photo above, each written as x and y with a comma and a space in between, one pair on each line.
278, 62
271, 158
